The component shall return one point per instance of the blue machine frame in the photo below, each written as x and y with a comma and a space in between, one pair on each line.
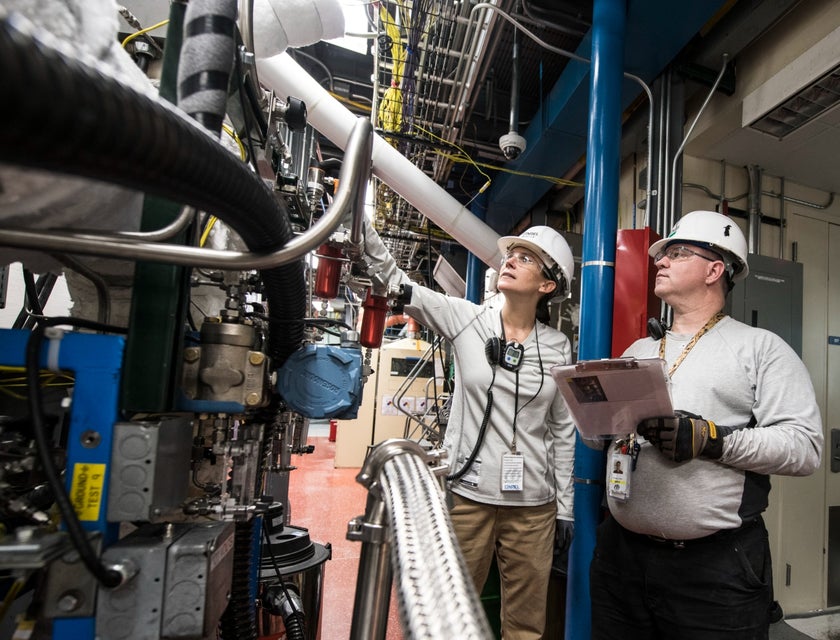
96, 361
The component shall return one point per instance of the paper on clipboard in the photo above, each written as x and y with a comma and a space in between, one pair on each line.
610, 397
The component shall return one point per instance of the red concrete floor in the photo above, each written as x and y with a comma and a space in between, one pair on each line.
323, 499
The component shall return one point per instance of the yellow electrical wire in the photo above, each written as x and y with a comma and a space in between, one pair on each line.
359, 105
47, 379
464, 155
137, 34
229, 130
11, 594
211, 222
206, 233
552, 179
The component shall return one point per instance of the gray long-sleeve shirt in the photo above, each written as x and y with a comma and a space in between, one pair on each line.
545, 434
733, 373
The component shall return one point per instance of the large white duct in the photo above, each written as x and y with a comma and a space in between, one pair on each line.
286, 78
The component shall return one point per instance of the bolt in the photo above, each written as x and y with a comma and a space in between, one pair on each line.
91, 439
256, 358
69, 601
191, 354
252, 399
24, 534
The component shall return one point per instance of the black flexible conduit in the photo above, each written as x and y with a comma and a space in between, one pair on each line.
62, 115
238, 620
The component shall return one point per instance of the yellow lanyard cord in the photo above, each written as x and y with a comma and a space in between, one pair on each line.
711, 323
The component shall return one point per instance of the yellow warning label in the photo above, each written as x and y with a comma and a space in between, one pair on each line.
86, 491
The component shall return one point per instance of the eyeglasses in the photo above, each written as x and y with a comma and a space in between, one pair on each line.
678, 253
523, 259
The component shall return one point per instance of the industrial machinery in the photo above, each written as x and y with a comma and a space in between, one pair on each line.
145, 455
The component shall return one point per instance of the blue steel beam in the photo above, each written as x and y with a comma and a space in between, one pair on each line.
656, 31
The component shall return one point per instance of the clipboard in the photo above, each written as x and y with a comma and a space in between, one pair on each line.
611, 396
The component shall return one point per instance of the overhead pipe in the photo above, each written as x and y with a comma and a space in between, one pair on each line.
754, 209
285, 77
678, 154
597, 283
512, 143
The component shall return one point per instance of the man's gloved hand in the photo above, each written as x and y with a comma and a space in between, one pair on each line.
684, 436
564, 531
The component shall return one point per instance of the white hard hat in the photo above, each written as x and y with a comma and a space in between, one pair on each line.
552, 249
715, 231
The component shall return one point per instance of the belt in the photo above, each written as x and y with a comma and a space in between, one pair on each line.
682, 544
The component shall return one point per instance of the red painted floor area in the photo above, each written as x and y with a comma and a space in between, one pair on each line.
324, 499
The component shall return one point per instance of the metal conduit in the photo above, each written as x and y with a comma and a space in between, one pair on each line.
436, 596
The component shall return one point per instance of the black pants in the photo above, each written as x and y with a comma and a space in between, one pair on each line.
717, 588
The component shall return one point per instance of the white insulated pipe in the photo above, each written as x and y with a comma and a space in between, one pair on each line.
285, 77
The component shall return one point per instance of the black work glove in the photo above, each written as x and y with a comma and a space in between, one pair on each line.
564, 531
684, 436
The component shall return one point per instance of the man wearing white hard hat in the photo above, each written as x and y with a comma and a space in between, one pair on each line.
510, 439
684, 552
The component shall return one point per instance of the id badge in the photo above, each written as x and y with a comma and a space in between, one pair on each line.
619, 476
513, 471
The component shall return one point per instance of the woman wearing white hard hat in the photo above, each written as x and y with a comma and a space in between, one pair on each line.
509, 438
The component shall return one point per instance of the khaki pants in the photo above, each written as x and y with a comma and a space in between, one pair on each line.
523, 540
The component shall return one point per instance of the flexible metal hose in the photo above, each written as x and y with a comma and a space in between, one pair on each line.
73, 117
436, 596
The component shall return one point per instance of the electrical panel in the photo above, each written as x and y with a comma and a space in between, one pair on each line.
771, 298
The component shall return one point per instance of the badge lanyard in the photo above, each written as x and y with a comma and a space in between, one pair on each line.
513, 464
711, 323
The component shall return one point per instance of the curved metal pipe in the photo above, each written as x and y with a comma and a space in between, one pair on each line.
164, 233
688, 135
354, 172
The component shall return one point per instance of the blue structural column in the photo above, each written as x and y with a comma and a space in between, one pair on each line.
598, 276
475, 267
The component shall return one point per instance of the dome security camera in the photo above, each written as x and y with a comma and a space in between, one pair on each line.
512, 144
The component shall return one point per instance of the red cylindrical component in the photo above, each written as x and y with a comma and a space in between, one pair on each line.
373, 321
333, 430
329, 272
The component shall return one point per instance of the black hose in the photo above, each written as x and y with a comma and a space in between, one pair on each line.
280, 597
62, 115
